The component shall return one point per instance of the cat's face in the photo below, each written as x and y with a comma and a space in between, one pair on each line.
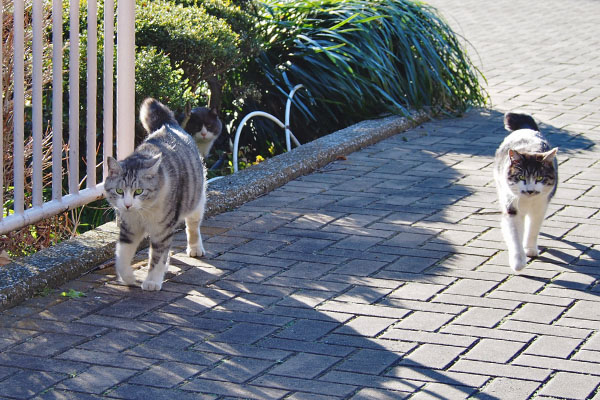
530, 174
133, 185
204, 124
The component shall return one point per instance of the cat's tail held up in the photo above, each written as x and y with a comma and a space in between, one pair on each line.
154, 114
515, 121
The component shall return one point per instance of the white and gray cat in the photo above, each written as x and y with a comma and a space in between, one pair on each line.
526, 175
204, 125
155, 188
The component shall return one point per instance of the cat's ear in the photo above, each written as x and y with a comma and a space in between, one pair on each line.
514, 155
549, 155
114, 168
153, 164
214, 111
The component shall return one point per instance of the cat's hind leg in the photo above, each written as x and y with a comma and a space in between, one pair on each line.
157, 262
129, 239
195, 248
512, 229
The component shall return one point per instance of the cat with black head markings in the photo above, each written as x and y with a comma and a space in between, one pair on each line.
526, 175
162, 183
204, 125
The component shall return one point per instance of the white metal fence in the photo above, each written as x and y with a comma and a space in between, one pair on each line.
76, 193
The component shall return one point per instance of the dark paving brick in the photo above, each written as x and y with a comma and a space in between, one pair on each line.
237, 370
305, 385
234, 390
368, 361
96, 380
133, 392
166, 375
26, 384
48, 344
304, 366
245, 333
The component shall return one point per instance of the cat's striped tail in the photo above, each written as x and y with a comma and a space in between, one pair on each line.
516, 121
154, 114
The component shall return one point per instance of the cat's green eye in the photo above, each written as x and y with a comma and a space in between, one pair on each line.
521, 177
539, 178
138, 191
119, 191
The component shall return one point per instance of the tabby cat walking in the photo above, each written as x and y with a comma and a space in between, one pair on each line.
526, 175
155, 188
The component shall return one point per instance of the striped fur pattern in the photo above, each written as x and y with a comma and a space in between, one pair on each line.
153, 190
526, 175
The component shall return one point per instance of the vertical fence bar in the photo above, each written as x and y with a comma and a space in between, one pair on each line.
18, 103
74, 97
57, 99
109, 50
92, 75
125, 77
36, 118
1, 115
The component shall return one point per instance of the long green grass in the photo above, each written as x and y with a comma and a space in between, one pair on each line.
359, 58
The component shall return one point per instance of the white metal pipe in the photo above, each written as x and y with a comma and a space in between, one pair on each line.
125, 77
92, 89
236, 141
48, 209
109, 30
74, 97
57, 99
288, 132
18, 104
1, 121
36, 118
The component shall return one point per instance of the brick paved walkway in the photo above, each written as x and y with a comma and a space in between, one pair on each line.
382, 276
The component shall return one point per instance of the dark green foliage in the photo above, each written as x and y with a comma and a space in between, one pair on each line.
200, 43
156, 77
360, 58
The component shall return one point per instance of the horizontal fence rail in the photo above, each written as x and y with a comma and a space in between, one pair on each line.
35, 195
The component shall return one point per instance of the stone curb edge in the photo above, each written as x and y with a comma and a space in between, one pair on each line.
68, 260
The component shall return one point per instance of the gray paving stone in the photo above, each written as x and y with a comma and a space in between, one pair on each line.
496, 351
553, 346
432, 356
569, 385
516, 389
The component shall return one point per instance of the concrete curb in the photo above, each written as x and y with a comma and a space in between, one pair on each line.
58, 264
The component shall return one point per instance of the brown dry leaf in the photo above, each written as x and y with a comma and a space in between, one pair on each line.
4, 258
341, 158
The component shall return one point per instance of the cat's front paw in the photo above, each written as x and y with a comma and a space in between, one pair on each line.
151, 285
532, 251
517, 261
196, 251
127, 279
